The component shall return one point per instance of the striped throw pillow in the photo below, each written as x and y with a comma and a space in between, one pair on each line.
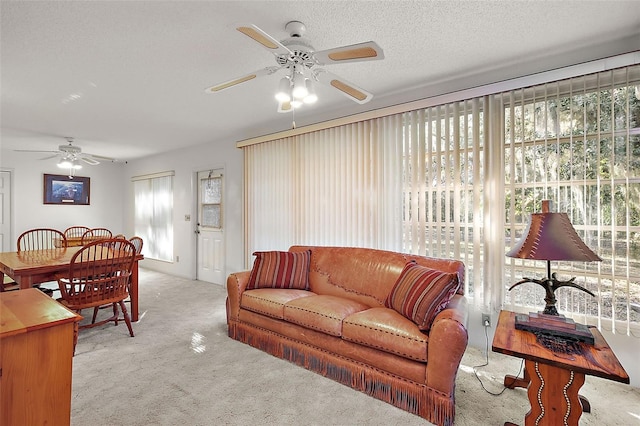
280, 269
420, 293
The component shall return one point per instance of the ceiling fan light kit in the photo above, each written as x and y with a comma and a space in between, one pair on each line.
304, 65
69, 164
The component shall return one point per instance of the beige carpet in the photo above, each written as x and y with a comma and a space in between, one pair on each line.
182, 369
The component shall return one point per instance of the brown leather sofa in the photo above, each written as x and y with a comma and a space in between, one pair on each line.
340, 328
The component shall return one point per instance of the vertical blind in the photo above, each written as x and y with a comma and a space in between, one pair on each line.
459, 180
332, 187
153, 205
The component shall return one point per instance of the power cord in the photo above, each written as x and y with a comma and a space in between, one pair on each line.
475, 372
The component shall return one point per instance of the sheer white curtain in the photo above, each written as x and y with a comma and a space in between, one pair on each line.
153, 205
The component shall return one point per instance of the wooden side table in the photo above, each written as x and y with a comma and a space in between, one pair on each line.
556, 377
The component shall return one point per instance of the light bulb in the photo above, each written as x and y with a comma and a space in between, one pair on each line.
311, 93
283, 90
296, 103
299, 86
65, 164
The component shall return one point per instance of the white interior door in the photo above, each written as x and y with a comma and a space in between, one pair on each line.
209, 227
6, 242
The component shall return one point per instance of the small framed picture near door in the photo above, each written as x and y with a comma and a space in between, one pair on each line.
62, 189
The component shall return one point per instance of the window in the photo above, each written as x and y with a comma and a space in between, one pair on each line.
153, 204
577, 142
211, 201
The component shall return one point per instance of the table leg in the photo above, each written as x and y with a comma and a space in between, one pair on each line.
25, 281
553, 395
512, 382
134, 292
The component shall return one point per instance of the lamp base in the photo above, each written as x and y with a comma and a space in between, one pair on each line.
557, 326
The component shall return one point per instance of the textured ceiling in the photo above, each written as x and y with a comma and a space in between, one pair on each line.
126, 78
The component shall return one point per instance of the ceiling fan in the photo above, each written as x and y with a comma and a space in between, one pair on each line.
304, 66
71, 154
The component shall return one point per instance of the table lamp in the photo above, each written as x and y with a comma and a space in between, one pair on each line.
550, 236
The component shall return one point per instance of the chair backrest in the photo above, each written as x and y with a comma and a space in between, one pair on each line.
120, 236
75, 231
98, 274
137, 243
94, 234
41, 239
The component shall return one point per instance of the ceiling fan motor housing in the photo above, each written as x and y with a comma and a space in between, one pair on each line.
69, 149
301, 53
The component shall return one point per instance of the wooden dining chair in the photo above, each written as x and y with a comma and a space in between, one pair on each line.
38, 239
94, 234
41, 239
137, 243
75, 231
99, 275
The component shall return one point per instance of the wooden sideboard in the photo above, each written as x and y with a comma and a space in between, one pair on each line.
36, 358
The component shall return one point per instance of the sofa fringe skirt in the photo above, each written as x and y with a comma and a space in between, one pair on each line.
416, 398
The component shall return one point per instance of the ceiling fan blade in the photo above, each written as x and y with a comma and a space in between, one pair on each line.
93, 157
368, 51
348, 89
49, 157
284, 107
265, 40
29, 150
227, 84
90, 161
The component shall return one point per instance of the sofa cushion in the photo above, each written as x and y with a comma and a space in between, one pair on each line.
322, 312
387, 330
270, 301
420, 293
280, 269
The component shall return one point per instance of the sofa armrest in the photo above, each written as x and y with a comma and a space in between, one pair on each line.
236, 284
447, 342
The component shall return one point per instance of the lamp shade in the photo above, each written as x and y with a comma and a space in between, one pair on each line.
551, 236
299, 86
284, 90
311, 93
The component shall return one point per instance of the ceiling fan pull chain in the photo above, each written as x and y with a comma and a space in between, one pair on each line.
293, 115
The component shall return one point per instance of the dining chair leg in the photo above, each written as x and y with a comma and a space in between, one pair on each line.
116, 314
127, 318
95, 314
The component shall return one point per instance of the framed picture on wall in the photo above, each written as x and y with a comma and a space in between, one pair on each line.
62, 189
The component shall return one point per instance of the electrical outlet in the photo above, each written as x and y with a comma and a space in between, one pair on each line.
486, 320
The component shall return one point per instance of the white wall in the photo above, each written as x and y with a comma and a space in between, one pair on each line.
105, 209
185, 163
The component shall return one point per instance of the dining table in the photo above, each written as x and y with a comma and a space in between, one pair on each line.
28, 268
75, 241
